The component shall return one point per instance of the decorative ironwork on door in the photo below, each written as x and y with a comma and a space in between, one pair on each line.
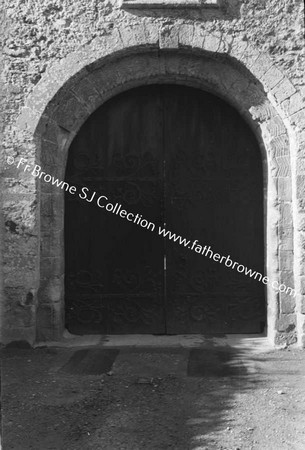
181, 157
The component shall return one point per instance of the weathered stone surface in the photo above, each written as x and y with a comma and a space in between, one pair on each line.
198, 37
261, 65
212, 42
52, 290
293, 104
136, 35
283, 90
50, 322
286, 260
302, 285
169, 37
20, 308
87, 94
287, 303
300, 186
250, 55
284, 188
272, 77
51, 265
298, 119
51, 244
287, 338
186, 33
280, 145
302, 308
287, 323
73, 113
79, 55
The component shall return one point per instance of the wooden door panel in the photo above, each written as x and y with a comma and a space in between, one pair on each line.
114, 280
213, 194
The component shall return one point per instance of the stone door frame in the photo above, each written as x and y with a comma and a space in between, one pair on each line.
147, 54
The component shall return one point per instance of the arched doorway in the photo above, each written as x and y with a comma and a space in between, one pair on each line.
182, 159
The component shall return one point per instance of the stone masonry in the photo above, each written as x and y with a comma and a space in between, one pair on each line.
62, 59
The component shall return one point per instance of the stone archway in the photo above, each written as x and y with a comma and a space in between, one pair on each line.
174, 155
139, 55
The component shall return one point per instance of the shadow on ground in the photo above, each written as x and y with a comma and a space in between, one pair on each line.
133, 399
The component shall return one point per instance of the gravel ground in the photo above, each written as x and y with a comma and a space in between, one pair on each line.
153, 399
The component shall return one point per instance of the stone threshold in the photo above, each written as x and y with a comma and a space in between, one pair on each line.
253, 342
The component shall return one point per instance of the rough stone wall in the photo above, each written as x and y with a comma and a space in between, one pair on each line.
37, 34
40, 32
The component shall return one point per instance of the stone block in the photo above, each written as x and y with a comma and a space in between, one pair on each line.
283, 90
287, 338
300, 186
286, 215
15, 334
51, 290
43, 92
283, 166
116, 40
49, 154
276, 126
87, 94
185, 35
19, 312
55, 223
51, 205
47, 181
50, 322
20, 183
280, 145
293, 104
134, 36
302, 341
271, 78
302, 286
28, 119
284, 188
51, 244
151, 31
20, 271
261, 65
169, 37
301, 140
300, 203
300, 164
301, 222
20, 213
286, 242
70, 113
249, 56
53, 267
298, 119
238, 47
286, 323
287, 278
212, 42
286, 260
47, 129
198, 37
106, 78
287, 303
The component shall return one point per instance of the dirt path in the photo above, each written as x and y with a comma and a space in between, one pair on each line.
153, 399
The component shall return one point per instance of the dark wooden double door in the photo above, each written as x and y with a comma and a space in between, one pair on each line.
184, 159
